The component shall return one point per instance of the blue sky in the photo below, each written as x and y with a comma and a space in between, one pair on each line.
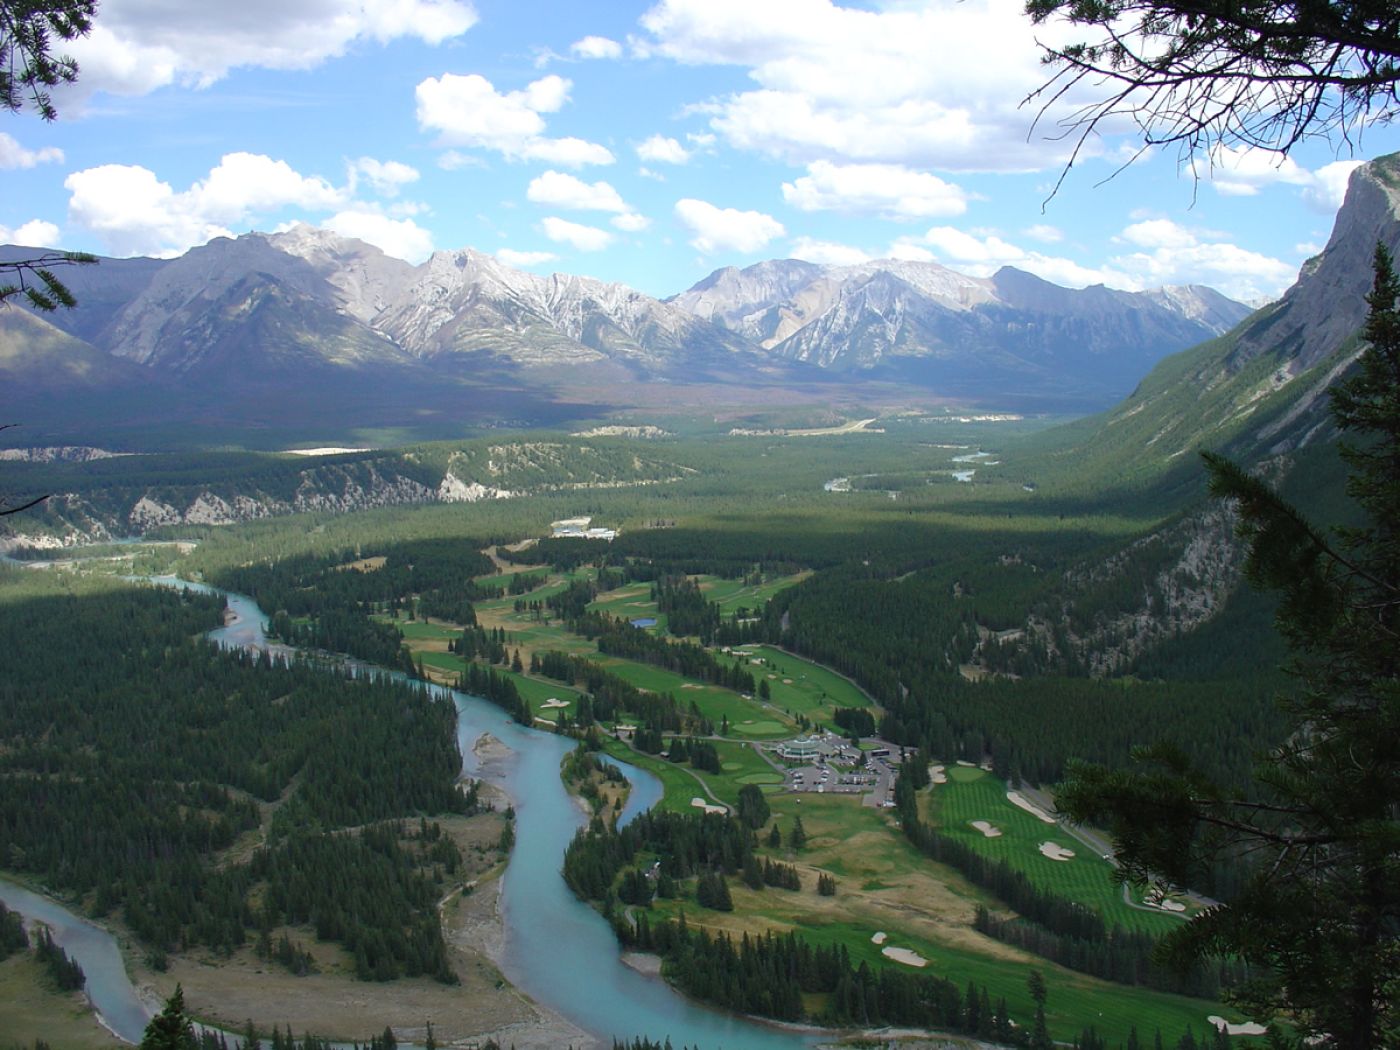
648, 143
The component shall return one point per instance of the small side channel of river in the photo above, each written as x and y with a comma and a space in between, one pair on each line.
557, 949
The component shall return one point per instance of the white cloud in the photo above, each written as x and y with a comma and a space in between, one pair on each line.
1045, 233
631, 222
1329, 185
137, 46
662, 150
910, 252
565, 191
1245, 172
934, 84
1239, 273
726, 229
248, 183
1170, 254
36, 233
468, 111
826, 253
456, 160
511, 257
596, 47
983, 254
890, 190
963, 248
582, 238
386, 177
570, 152
134, 212
401, 238
13, 155
1158, 233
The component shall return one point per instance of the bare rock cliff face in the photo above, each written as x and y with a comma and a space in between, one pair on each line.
1328, 303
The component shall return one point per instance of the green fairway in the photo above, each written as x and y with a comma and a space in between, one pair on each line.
439, 661
735, 594
678, 784
800, 687
748, 718
975, 795
628, 603
536, 691
422, 630
1074, 1001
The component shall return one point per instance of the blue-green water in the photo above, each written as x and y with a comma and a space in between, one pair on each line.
557, 949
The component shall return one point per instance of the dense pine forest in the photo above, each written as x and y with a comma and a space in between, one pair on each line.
139, 755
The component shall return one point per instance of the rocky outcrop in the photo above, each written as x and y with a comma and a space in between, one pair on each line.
1012, 331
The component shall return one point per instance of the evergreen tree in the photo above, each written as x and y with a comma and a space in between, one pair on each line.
171, 1028
1319, 917
798, 838
753, 807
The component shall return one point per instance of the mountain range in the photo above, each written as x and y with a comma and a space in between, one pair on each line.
329, 332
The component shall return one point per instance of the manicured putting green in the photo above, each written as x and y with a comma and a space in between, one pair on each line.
759, 778
761, 727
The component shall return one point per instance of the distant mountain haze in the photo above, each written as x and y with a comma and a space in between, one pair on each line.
251, 328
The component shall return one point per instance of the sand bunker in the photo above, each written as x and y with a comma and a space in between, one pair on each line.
905, 956
787, 681
1020, 800
1243, 1028
700, 803
554, 702
1055, 852
990, 830
1165, 905
879, 938
545, 721
938, 774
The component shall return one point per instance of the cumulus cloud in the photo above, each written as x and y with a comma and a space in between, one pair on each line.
36, 233
1329, 185
135, 213
1173, 254
908, 251
596, 47
401, 238
137, 46
1166, 253
386, 177
726, 229
1158, 233
580, 237
1245, 172
933, 84
662, 150
889, 190
511, 257
13, 155
468, 111
1044, 233
565, 191
631, 222
826, 253
981, 254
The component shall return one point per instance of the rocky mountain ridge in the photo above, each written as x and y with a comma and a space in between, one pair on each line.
256, 330
929, 324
